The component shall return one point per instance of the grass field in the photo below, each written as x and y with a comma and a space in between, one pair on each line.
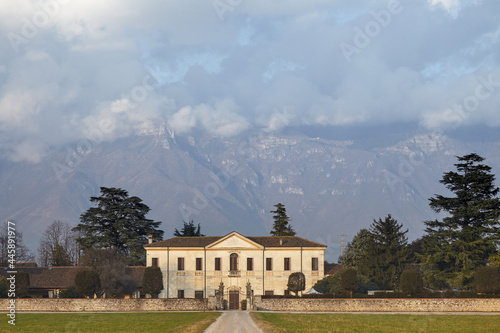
184, 322
296, 323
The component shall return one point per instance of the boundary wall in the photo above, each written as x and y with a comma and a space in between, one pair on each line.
270, 304
379, 304
105, 304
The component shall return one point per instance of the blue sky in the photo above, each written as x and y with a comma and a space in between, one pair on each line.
72, 68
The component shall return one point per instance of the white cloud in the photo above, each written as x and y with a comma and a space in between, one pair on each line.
133, 64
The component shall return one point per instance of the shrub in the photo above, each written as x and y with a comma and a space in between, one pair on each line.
88, 283
296, 282
349, 280
22, 284
4, 287
411, 282
71, 292
487, 280
152, 281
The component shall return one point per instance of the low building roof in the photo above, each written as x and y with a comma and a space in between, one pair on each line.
332, 268
64, 276
267, 241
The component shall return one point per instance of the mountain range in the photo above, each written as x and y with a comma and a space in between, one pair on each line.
333, 181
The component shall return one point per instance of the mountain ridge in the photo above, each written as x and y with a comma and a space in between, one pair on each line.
330, 187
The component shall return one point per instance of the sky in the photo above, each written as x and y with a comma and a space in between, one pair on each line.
102, 70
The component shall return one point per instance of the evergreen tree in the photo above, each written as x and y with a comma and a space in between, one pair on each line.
411, 282
60, 257
466, 238
4, 287
355, 250
349, 280
118, 222
281, 220
386, 253
22, 284
88, 283
189, 230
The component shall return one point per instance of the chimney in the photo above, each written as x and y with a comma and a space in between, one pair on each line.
150, 239
281, 242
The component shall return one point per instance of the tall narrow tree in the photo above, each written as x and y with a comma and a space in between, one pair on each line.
281, 225
467, 237
118, 222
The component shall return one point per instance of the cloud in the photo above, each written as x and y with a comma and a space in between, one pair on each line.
71, 68
220, 119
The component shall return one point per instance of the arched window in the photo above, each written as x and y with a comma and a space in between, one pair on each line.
233, 262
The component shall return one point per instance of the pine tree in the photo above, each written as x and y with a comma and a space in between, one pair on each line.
356, 249
386, 253
467, 237
189, 230
118, 222
281, 220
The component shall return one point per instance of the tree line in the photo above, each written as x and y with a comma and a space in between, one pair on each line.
458, 252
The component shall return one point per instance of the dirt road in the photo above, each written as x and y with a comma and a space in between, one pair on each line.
234, 322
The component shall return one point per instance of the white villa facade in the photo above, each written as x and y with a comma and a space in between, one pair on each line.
194, 267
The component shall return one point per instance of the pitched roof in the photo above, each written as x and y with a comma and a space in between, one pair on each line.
267, 241
332, 269
49, 277
64, 276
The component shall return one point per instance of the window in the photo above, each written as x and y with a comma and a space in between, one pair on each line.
287, 292
180, 264
249, 264
198, 264
269, 292
217, 264
286, 264
269, 264
180, 293
198, 294
154, 262
314, 264
233, 262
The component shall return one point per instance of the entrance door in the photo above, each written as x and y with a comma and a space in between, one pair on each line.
234, 300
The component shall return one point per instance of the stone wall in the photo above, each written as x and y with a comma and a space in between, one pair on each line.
272, 304
106, 305
379, 304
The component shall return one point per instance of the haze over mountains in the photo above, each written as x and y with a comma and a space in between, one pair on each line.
333, 184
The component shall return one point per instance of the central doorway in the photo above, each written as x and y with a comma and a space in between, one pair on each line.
234, 300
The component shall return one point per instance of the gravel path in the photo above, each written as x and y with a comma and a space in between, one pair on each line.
234, 322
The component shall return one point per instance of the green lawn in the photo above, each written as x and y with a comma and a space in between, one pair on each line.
184, 322
296, 323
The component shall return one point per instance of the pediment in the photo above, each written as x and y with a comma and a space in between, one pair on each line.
234, 241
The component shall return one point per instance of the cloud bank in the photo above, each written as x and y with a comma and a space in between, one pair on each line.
71, 68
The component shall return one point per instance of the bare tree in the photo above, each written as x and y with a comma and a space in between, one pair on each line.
58, 246
23, 254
